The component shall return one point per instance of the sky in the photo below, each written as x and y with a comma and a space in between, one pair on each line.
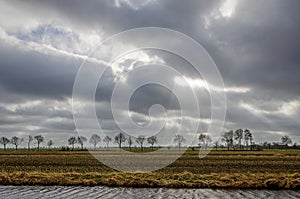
43, 44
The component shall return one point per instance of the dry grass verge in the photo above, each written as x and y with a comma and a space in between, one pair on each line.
149, 180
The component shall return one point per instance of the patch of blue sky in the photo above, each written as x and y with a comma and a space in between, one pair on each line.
53, 36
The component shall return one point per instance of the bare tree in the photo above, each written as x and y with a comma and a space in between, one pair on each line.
95, 139
286, 140
204, 139
228, 138
140, 140
248, 137
179, 139
30, 139
4, 141
267, 145
238, 135
107, 140
81, 140
130, 142
216, 144
152, 140
50, 143
39, 139
119, 139
16, 141
72, 140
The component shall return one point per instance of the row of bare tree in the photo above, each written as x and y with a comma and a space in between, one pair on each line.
230, 138
118, 139
16, 141
242, 139
233, 139
94, 139
237, 137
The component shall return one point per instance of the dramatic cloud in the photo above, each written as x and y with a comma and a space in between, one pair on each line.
43, 44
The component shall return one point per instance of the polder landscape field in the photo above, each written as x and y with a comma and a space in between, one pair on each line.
269, 169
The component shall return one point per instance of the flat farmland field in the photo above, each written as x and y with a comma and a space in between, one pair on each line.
219, 169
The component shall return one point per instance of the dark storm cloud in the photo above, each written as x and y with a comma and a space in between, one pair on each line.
174, 14
35, 73
261, 43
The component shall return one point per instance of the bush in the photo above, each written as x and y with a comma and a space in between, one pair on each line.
65, 148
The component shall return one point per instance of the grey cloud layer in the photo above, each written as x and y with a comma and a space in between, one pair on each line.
257, 48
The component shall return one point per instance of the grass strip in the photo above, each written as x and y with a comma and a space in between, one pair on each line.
155, 180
